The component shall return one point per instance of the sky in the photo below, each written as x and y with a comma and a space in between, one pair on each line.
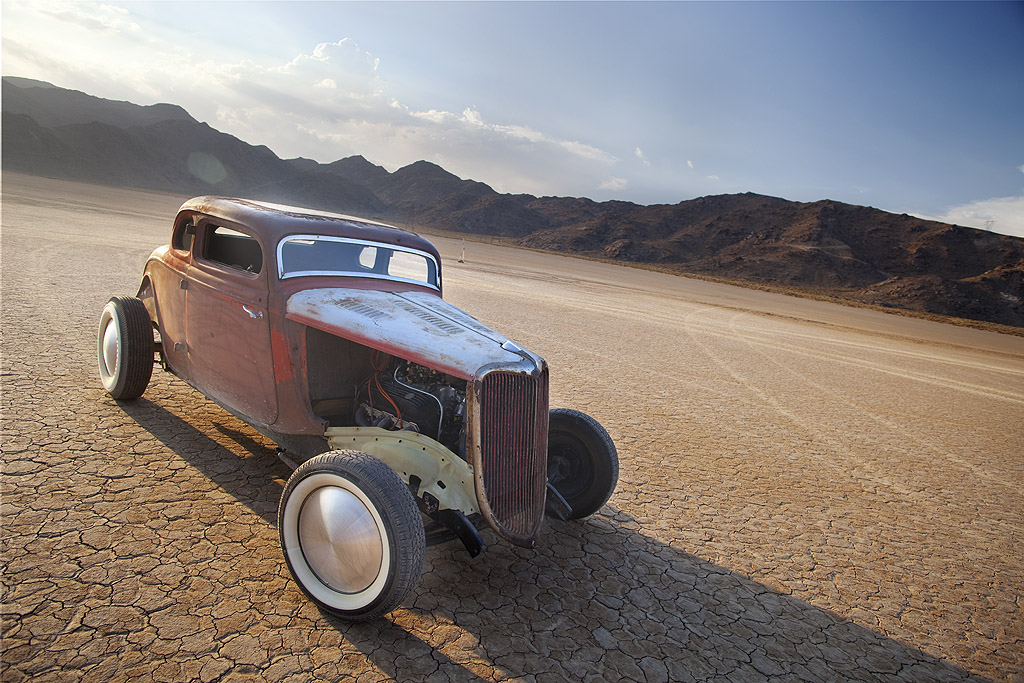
911, 107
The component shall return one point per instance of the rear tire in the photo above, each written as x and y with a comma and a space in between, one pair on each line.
583, 465
352, 534
125, 348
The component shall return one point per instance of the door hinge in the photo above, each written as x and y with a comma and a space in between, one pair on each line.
184, 284
180, 347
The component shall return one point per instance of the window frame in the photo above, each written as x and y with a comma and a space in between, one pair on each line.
436, 285
184, 230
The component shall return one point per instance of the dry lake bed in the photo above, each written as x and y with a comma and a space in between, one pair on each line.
807, 491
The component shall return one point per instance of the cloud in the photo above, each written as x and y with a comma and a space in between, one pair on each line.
93, 17
1004, 215
714, 178
640, 155
689, 163
472, 117
614, 184
291, 109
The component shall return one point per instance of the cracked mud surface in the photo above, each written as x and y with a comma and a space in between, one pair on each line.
808, 492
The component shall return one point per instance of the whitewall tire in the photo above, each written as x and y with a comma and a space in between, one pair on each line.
125, 347
351, 533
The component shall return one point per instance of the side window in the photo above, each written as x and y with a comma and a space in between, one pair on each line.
183, 233
232, 248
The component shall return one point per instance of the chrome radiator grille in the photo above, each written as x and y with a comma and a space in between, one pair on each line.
513, 452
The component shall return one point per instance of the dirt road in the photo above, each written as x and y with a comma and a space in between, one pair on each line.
808, 492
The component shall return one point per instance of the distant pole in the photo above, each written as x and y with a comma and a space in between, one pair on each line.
462, 259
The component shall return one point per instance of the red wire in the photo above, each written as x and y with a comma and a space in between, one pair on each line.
377, 358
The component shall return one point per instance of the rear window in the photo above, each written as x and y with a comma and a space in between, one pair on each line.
182, 238
304, 255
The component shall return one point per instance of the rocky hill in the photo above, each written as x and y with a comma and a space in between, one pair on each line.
67, 134
851, 252
51, 106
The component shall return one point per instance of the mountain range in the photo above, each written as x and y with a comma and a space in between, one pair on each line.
826, 248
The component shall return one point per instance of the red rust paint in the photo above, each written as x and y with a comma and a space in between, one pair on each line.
283, 369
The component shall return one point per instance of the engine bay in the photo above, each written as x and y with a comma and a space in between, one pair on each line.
402, 395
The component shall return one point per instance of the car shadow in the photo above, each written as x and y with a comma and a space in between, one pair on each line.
404, 655
596, 600
244, 465
599, 600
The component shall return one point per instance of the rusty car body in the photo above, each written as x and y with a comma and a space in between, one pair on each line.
411, 420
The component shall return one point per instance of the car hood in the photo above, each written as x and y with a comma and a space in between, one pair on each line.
417, 326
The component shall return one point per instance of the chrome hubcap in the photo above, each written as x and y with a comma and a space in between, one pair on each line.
110, 347
340, 539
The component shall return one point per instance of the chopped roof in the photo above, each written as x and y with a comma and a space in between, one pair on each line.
274, 221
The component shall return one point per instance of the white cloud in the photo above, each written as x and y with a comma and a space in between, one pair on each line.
1004, 215
357, 115
432, 115
614, 184
689, 163
472, 117
93, 16
714, 178
588, 152
642, 157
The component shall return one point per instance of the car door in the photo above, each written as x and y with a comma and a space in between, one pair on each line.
228, 328
168, 276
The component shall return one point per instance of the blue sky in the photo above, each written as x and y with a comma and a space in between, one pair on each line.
909, 107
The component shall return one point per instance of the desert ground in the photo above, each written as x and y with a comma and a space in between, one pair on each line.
807, 491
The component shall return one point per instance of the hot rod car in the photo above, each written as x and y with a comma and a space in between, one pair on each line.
410, 419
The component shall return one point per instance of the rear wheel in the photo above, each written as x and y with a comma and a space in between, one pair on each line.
125, 347
583, 465
351, 533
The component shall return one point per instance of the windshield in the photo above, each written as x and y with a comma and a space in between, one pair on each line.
302, 255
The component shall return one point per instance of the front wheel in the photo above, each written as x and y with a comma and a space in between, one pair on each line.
351, 533
125, 346
583, 465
